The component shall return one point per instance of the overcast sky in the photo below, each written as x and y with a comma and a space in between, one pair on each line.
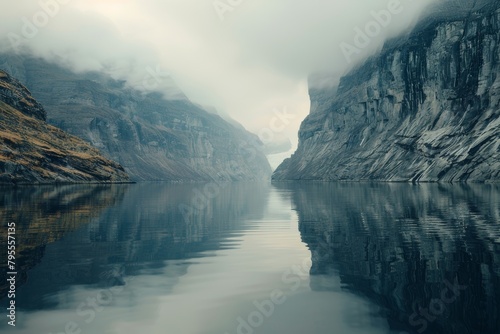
247, 58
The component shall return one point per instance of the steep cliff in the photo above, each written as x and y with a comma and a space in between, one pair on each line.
152, 137
427, 108
31, 151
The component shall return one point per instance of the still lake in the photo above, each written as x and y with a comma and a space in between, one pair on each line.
248, 258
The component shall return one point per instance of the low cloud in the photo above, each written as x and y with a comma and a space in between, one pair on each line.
246, 61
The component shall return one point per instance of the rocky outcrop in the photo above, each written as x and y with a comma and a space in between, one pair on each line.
32, 151
426, 109
18, 97
151, 137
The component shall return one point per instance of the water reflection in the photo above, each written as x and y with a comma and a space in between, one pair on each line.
427, 255
44, 214
109, 238
203, 259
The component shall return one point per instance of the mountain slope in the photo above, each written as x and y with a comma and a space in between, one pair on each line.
153, 138
427, 108
31, 151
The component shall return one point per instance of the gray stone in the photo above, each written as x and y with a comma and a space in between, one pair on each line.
151, 137
426, 109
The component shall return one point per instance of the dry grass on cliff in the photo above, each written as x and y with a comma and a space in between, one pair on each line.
49, 151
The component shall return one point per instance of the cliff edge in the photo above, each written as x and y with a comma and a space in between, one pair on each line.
426, 109
32, 151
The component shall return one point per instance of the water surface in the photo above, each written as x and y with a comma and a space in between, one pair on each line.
255, 258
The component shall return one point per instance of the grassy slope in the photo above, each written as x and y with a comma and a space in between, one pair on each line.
32, 151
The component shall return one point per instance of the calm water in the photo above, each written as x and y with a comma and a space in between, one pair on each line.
250, 258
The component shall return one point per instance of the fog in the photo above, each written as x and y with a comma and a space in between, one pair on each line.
249, 59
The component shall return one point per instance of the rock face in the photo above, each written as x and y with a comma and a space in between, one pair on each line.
31, 151
426, 109
153, 138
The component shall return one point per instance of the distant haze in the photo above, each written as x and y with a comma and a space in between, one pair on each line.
249, 59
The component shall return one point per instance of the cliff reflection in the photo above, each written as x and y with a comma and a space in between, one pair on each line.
44, 214
123, 231
428, 255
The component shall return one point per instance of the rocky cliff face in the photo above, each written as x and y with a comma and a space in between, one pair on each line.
31, 151
427, 108
153, 138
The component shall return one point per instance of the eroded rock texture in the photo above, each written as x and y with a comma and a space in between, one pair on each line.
151, 137
427, 108
32, 151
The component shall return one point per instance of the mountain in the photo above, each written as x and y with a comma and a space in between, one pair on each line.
32, 151
152, 137
425, 109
